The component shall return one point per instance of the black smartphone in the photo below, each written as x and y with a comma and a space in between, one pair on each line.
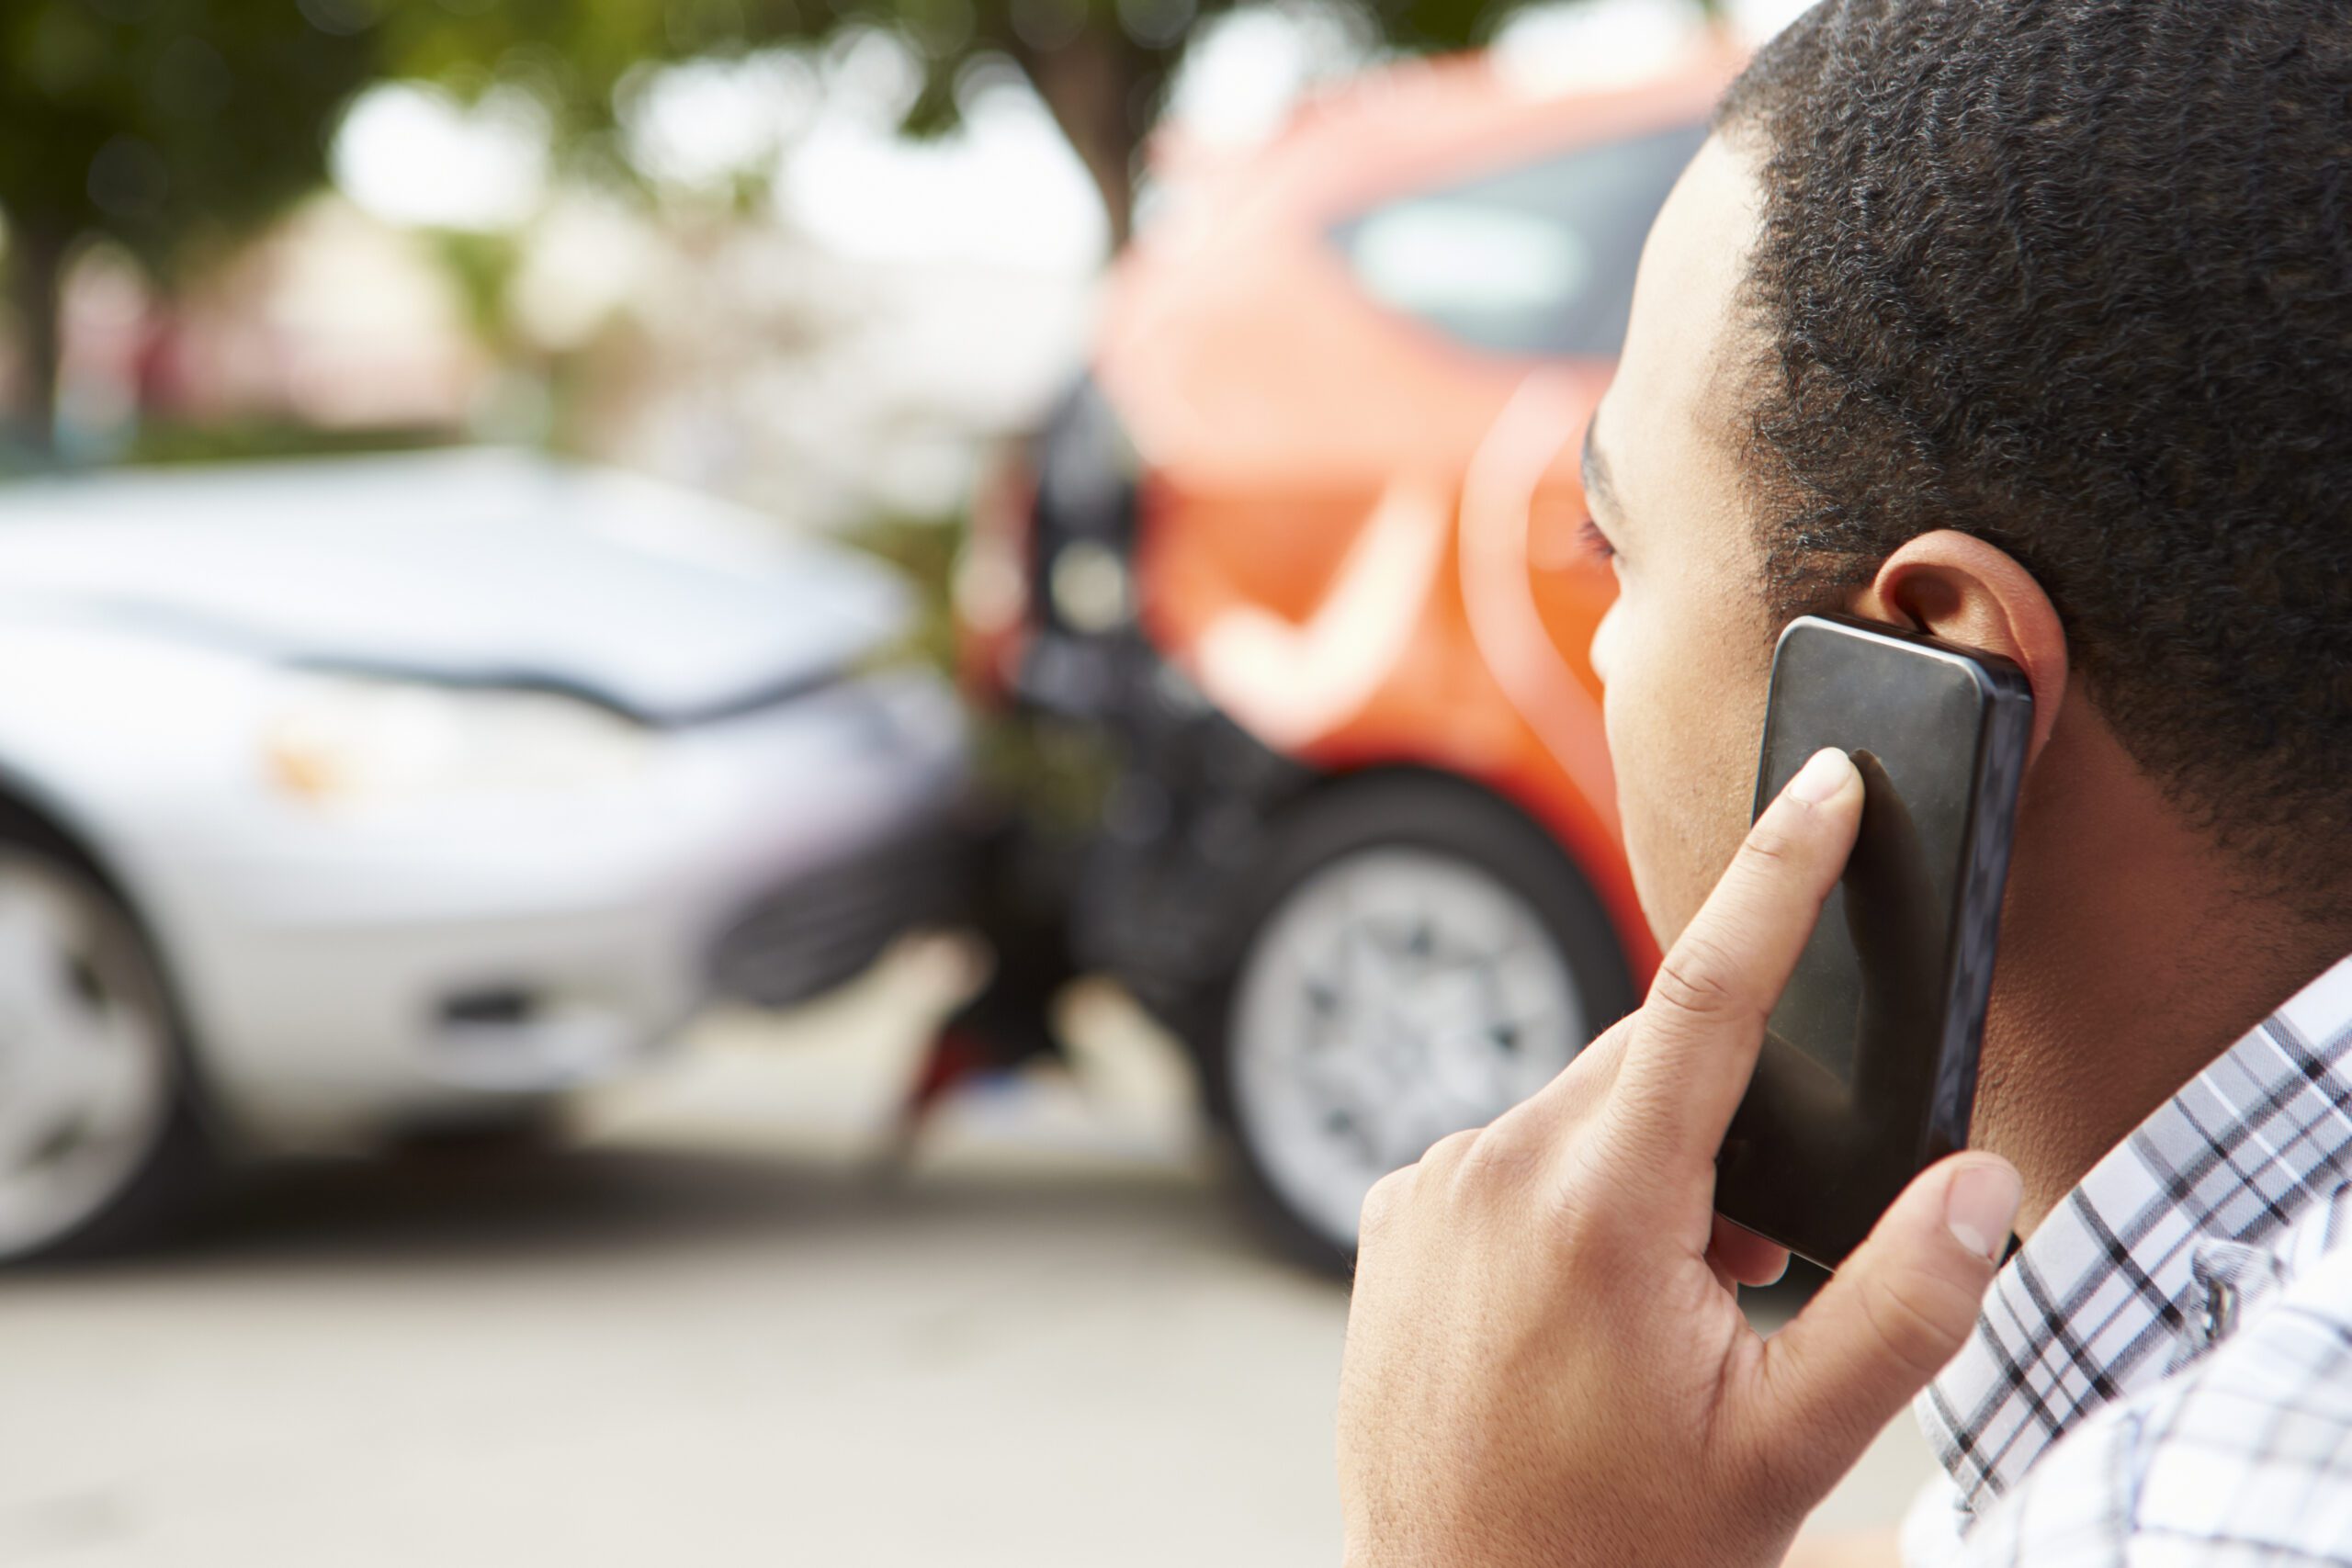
1867, 1071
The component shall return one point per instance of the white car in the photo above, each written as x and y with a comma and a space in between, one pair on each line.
345, 798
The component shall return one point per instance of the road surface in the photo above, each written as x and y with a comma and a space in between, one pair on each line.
731, 1328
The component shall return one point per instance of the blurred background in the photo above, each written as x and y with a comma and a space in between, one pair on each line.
755, 751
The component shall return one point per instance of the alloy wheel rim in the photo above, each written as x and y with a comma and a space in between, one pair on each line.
1393, 996
85, 1066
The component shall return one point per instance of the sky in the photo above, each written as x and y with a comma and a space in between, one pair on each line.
410, 153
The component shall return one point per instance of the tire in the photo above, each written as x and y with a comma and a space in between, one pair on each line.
101, 1142
1415, 957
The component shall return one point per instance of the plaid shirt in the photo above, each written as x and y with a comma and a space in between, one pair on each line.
2183, 1321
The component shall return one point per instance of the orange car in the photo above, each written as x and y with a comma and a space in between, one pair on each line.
1304, 542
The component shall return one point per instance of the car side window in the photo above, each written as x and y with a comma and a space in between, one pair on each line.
1536, 259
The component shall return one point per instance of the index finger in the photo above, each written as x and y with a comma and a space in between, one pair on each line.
1694, 1043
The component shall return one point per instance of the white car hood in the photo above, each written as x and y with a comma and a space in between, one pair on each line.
474, 566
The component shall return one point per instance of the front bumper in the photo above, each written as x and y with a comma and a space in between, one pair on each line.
821, 929
1154, 891
345, 975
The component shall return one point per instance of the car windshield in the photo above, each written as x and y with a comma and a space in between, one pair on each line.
1537, 259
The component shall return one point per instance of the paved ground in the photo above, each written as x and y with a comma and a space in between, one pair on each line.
725, 1331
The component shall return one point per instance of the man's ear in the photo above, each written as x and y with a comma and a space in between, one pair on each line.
1957, 587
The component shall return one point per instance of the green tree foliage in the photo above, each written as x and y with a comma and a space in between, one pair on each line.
173, 126
165, 125
1100, 66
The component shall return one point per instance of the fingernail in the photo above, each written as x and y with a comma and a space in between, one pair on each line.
1825, 772
1980, 1206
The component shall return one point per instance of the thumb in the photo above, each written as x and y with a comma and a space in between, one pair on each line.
1887, 1322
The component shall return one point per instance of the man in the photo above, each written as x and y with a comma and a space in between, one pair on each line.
2027, 323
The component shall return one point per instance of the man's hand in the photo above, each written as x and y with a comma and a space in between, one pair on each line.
1547, 1362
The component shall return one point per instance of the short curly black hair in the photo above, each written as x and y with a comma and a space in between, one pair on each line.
2075, 277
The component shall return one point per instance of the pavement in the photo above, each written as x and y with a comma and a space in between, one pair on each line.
737, 1323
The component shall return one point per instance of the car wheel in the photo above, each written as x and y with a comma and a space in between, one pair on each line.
1416, 958
98, 1139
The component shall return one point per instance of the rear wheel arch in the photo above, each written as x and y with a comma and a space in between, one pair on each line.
1542, 833
1567, 845
1545, 795
1586, 834
1424, 774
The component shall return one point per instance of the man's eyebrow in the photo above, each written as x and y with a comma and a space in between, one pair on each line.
1598, 494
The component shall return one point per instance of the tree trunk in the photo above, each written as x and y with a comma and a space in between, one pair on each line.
36, 277
1092, 85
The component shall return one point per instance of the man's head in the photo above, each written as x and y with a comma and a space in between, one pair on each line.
2029, 324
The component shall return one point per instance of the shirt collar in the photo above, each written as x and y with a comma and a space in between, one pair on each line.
2076, 1317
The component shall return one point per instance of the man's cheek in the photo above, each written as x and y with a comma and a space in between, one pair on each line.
1649, 853
1677, 831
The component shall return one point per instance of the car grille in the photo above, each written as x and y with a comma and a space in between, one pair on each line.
825, 928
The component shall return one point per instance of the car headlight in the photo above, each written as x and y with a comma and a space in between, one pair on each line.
359, 740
